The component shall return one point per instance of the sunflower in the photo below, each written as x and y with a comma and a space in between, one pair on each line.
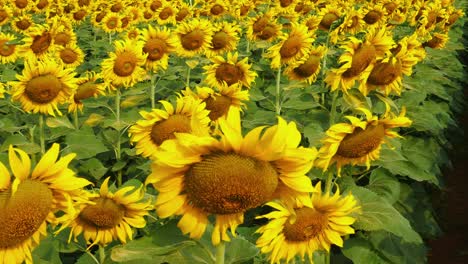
158, 44
22, 23
193, 37
124, 66
5, 14
291, 47
8, 51
38, 42
263, 27
216, 9
229, 71
359, 58
225, 38
375, 15
78, 16
312, 22
329, 14
42, 86
241, 9
353, 23
2, 90
437, 41
184, 11
88, 86
302, 229
308, 68
228, 175
166, 14
220, 102
29, 202
22, 6
111, 23
360, 142
108, 216
41, 6
158, 126
64, 36
71, 56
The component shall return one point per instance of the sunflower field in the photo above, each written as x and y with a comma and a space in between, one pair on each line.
225, 131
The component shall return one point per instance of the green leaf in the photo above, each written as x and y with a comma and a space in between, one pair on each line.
360, 250
119, 165
84, 143
60, 121
93, 167
46, 253
385, 185
396, 250
240, 250
8, 75
21, 142
378, 214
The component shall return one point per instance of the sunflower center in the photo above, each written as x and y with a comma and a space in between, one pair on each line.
267, 33
104, 214
125, 64
6, 50
21, 3
84, 91
116, 7
285, 3
183, 13
3, 15
244, 10
260, 24
362, 58
309, 67
361, 142
156, 48
290, 47
217, 9
384, 73
23, 213
155, 5
228, 183
218, 106
328, 20
165, 129
68, 56
434, 42
23, 24
220, 40
43, 89
229, 73
309, 223
192, 40
390, 7
100, 16
372, 17
62, 38
42, 4
41, 43
165, 13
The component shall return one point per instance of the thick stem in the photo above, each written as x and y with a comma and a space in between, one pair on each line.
328, 183
41, 133
117, 147
187, 82
102, 254
220, 249
278, 92
327, 258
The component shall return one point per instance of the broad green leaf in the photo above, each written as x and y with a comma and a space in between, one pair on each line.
378, 214
60, 121
93, 167
240, 250
360, 251
21, 142
385, 185
396, 250
8, 75
46, 253
84, 143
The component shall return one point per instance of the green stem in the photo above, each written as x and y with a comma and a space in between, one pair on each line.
220, 249
278, 92
327, 258
187, 83
75, 119
31, 133
328, 183
102, 254
117, 147
41, 133
153, 91
248, 47
333, 108
110, 38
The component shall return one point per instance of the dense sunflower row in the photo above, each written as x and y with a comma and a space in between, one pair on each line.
204, 165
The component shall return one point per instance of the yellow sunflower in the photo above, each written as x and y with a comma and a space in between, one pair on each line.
38, 42
108, 216
158, 44
353, 23
359, 58
220, 102
5, 14
300, 229
166, 14
124, 66
216, 9
22, 23
291, 47
360, 142
263, 27
64, 36
185, 11
71, 56
88, 86
29, 202
229, 71
8, 51
308, 68
241, 9
227, 175
193, 37
158, 126
21, 6
111, 22
437, 41
41, 6
43, 86
225, 38
329, 14
375, 15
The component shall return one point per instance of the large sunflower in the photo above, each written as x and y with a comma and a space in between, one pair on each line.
42, 86
225, 38
88, 86
193, 37
291, 47
201, 176
124, 66
158, 44
189, 116
308, 68
229, 71
8, 51
38, 43
70, 56
302, 229
108, 216
360, 142
29, 202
